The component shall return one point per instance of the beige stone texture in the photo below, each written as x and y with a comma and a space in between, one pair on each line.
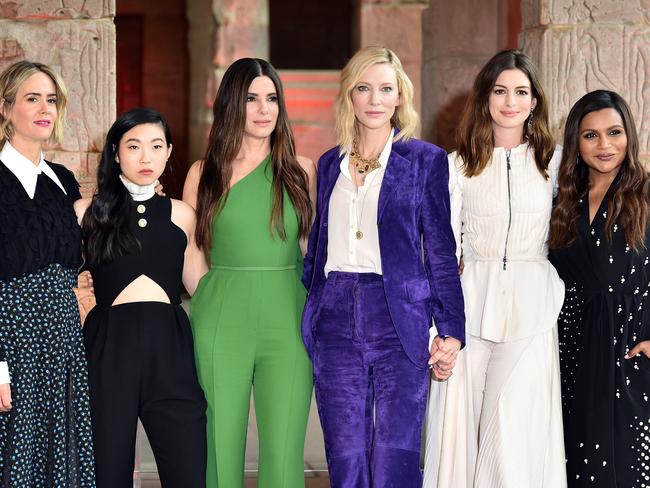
10, 50
83, 53
56, 9
569, 12
584, 46
241, 30
82, 164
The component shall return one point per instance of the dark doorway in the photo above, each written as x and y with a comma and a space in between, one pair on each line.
152, 71
129, 54
312, 34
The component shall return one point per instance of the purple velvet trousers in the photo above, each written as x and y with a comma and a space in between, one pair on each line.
371, 398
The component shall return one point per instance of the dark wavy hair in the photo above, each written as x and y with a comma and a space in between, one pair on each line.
105, 224
475, 137
628, 204
225, 141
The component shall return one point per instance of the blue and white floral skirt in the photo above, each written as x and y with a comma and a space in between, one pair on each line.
45, 439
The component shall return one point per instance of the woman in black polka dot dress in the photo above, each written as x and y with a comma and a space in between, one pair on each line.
45, 433
600, 246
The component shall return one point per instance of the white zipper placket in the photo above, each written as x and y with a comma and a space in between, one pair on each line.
505, 247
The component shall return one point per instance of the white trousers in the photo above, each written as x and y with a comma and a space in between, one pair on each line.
497, 422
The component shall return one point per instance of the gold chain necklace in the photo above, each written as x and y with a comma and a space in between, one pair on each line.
359, 218
362, 165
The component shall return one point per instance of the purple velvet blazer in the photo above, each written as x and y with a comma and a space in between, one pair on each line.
413, 215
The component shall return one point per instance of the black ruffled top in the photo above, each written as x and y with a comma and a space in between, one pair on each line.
39, 232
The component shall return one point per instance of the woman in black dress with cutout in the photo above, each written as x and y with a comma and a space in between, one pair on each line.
600, 246
140, 249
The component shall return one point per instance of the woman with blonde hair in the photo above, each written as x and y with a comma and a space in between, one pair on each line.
382, 197
45, 431
498, 421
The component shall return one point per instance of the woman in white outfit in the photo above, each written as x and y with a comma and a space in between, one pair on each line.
498, 421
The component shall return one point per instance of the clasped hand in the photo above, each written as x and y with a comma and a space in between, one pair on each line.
443, 356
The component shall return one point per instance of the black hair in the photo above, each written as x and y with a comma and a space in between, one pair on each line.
105, 224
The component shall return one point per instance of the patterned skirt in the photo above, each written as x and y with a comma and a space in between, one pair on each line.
45, 439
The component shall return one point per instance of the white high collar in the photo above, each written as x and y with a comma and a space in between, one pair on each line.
139, 193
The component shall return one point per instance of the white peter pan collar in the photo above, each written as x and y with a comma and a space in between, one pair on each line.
25, 170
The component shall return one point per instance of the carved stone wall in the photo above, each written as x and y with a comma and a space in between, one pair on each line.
77, 39
584, 45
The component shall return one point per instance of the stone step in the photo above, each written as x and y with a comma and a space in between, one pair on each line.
309, 96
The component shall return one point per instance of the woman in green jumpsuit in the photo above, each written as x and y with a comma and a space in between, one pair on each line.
252, 196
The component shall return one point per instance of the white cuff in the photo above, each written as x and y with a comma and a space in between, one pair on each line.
4, 373
433, 332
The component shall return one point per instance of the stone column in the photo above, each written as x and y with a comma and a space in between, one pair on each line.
397, 25
77, 39
584, 45
458, 38
221, 31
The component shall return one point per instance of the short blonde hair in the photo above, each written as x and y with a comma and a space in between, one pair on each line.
405, 117
10, 81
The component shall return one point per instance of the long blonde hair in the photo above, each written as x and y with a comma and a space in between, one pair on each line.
405, 118
10, 81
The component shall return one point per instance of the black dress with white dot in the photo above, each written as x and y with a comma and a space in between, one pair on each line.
605, 397
45, 439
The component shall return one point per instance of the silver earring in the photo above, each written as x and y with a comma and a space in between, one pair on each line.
530, 122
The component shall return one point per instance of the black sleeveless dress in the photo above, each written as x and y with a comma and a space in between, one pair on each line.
45, 439
141, 360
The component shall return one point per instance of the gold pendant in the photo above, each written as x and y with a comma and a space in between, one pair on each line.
359, 235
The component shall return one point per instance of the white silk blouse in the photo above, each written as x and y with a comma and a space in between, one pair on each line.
353, 210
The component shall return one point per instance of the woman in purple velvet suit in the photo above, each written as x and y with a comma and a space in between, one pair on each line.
382, 199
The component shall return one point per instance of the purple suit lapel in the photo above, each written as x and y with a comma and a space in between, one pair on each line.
396, 168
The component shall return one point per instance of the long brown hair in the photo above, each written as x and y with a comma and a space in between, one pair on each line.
225, 141
475, 137
628, 204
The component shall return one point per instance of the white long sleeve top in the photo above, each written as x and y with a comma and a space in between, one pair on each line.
355, 209
501, 221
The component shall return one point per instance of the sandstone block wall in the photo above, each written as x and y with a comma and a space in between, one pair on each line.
77, 39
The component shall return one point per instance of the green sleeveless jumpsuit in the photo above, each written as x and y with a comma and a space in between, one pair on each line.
246, 321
